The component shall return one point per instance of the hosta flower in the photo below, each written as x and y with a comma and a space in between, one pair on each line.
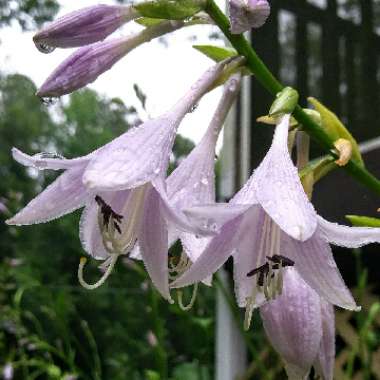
301, 327
270, 225
123, 187
83, 27
247, 14
193, 181
86, 64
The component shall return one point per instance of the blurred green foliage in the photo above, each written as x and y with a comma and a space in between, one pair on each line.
28, 13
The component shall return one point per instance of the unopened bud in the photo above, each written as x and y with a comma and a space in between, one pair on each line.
86, 64
83, 27
286, 101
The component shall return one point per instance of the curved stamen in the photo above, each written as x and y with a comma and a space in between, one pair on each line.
106, 274
192, 300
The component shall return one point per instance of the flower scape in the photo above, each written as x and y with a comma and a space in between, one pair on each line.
280, 246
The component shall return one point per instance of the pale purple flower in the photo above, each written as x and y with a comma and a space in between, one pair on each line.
123, 187
247, 14
269, 225
86, 64
3, 207
83, 27
301, 327
193, 181
8, 372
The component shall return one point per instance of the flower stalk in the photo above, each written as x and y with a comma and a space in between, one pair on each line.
272, 85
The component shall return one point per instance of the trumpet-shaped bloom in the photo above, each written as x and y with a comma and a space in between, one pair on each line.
270, 225
123, 188
86, 64
193, 181
301, 327
247, 14
83, 27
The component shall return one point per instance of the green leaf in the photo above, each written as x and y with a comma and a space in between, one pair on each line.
363, 221
319, 167
216, 53
335, 129
169, 9
148, 21
152, 375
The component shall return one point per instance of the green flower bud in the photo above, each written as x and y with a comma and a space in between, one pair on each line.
286, 101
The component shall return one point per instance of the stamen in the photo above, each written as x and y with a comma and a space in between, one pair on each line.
192, 300
108, 213
106, 274
249, 308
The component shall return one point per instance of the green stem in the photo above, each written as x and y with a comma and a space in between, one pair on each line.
267, 79
159, 331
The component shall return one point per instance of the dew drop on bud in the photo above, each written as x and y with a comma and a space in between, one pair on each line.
193, 108
49, 101
44, 48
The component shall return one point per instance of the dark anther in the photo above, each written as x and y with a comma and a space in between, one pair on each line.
263, 270
283, 260
108, 213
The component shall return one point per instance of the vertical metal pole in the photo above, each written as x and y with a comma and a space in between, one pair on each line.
230, 350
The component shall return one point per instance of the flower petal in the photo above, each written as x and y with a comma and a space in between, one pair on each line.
43, 161
134, 158
279, 189
215, 215
63, 196
153, 242
176, 217
315, 263
345, 236
324, 364
246, 256
213, 257
293, 324
246, 195
89, 232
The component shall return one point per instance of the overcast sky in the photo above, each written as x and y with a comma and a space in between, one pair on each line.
163, 73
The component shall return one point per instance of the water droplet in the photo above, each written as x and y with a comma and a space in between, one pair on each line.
195, 185
49, 101
193, 108
45, 155
296, 232
204, 181
214, 227
156, 171
44, 48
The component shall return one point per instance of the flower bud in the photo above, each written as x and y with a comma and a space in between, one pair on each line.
247, 14
286, 101
293, 324
87, 63
83, 27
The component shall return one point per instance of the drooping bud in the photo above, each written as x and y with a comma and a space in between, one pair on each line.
286, 101
83, 27
247, 14
86, 64
293, 324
